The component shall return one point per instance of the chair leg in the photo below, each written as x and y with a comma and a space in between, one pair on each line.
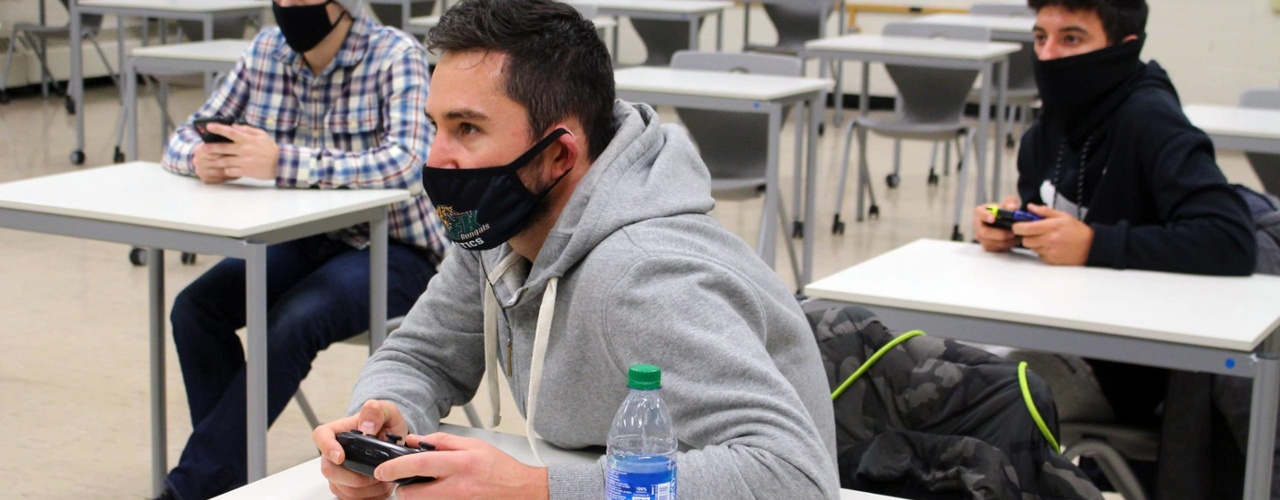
965, 155
8, 61
933, 163
791, 247
301, 399
837, 226
1113, 466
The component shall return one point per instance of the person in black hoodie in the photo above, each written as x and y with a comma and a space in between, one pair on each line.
1121, 179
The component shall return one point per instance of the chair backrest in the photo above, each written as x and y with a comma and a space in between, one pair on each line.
223, 28
1267, 166
933, 95
392, 14
720, 135
90, 23
1002, 9
589, 11
798, 21
661, 39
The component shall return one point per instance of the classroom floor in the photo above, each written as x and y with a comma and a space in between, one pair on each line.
73, 353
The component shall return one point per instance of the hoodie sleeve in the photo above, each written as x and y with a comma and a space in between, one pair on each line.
1207, 228
435, 360
725, 350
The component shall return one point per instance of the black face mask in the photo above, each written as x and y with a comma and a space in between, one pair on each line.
304, 26
482, 208
1080, 92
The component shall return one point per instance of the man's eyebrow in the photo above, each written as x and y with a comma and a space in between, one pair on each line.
1075, 28
465, 114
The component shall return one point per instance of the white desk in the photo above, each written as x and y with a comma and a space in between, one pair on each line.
692, 11
1200, 323
205, 11
141, 204
986, 57
1003, 28
196, 57
750, 94
304, 481
1250, 130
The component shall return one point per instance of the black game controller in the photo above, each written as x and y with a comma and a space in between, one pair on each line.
365, 453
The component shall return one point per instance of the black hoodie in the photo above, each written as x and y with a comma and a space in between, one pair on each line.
1155, 197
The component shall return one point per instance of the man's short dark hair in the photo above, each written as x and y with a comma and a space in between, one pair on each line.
1120, 18
557, 67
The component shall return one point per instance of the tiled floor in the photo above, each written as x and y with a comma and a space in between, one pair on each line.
73, 365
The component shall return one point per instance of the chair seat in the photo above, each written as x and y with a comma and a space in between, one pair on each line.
1137, 443
738, 189
1016, 96
898, 128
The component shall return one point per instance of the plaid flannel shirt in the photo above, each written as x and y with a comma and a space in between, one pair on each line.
360, 124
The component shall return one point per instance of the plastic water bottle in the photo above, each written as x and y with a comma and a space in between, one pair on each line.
642, 442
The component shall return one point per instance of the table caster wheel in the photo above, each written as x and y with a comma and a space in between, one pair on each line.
138, 257
77, 157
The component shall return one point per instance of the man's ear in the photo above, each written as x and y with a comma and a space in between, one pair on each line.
1129, 38
566, 155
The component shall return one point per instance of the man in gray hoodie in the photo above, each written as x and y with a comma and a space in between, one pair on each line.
589, 252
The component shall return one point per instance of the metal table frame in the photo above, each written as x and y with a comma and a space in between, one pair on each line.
253, 249
146, 64
767, 241
1262, 365
76, 83
987, 67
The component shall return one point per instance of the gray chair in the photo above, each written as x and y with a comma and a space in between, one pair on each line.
1267, 166
662, 39
363, 339
1022, 93
1109, 445
796, 22
734, 145
37, 36
929, 107
394, 16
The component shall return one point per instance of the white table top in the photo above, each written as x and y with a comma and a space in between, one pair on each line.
691, 7
421, 24
142, 193
910, 46
1235, 121
1233, 313
215, 50
1004, 25
716, 84
177, 5
304, 481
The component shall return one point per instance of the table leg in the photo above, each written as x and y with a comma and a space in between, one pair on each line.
811, 188
1001, 129
1262, 421
377, 282
256, 366
130, 73
768, 238
984, 121
797, 189
208, 37
76, 85
155, 313
693, 32
864, 105
720, 31
617, 26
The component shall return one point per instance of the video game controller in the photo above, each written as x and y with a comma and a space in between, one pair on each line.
1005, 219
365, 453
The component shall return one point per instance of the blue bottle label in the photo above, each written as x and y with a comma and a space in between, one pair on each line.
623, 485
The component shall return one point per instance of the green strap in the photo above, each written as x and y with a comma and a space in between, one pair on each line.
875, 357
1031, 407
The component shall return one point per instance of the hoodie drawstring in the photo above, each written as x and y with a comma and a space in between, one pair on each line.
491, 334
546, 313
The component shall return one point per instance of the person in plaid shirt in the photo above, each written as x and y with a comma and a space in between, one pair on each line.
330, 100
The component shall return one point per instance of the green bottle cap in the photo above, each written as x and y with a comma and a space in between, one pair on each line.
644, 377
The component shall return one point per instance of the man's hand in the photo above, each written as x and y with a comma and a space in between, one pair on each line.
203, 160
252, 152
464, 468
994, 239
1059, 238
375, 418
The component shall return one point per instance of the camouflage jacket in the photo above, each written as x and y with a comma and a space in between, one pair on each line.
938, 419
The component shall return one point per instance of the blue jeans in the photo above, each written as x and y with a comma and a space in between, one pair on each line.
317, 294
